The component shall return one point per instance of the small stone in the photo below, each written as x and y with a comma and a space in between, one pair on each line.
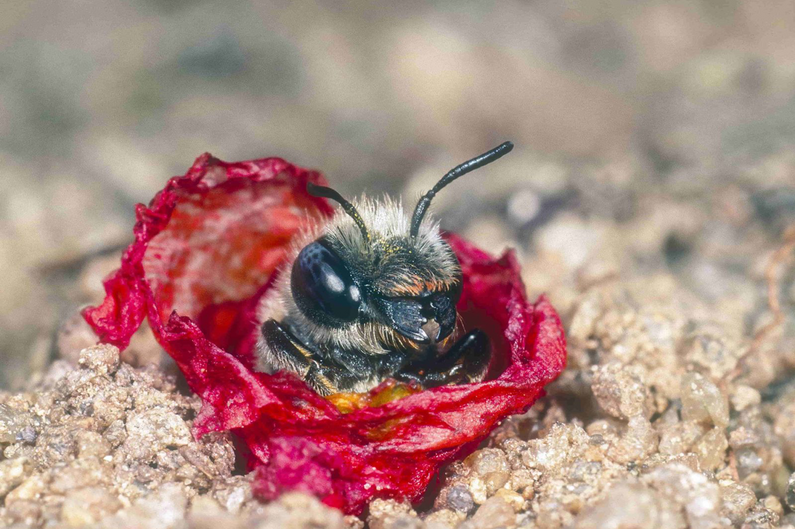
638, 443
295, 510
391, 514
204, 507
563, 443
493, 514
699, 497
154, 430
521, 479
353, 522
712, 351
443, 519
80, 473
711, 449
89, 505
477, 487
512, 445
165, 508
603, 428
744, 397
761, 517
737, 500
116, 433
233, 492
631, 506
103, 359
621, 392
12, 473
59, 444
26, 512
513, 499
92, 444
743, 437
12, 423
30, 488
748, 462
495, 481
679, 437
585, 470
460, 499
596, 439
487, 460
702, 401
529, 493
773, 504
28, 435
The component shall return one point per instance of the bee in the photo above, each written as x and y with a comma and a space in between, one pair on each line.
371, 295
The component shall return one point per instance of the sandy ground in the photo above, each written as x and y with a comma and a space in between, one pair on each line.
650, 195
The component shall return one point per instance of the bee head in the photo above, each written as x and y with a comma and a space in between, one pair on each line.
374, 269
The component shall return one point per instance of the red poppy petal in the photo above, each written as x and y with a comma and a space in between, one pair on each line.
205, 251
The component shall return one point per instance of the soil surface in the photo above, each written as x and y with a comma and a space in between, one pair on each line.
651, 195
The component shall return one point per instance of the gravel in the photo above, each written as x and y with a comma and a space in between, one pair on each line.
650, 187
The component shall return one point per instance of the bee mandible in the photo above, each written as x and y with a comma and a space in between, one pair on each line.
371, 295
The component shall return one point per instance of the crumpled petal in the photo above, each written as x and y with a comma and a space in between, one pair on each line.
210, 245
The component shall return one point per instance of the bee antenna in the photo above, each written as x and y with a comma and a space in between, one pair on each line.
460, 170
327, 192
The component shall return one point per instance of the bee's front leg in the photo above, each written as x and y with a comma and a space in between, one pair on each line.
466, 361
292, 354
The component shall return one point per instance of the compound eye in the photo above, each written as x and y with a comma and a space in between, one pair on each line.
322, 286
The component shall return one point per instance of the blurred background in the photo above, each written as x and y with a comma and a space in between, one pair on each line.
652, 136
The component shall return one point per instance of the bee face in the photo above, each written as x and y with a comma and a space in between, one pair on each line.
371, 294
397, 284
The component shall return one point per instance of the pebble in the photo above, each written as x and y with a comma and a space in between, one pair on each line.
12, 424
391, 514
102, 359
679, 437
631, 505
31, 488
493, 514
460, 499
737, 500
711, 449
702, 401
638, 442
699, 496
12, 473
88, 505
487, 460
744, 397
620, 392
166, 508
515, 500
748, 462
443, 519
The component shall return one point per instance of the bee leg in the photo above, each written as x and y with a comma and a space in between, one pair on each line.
293, 355
466, 361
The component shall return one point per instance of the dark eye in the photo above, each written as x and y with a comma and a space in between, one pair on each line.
322, 286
